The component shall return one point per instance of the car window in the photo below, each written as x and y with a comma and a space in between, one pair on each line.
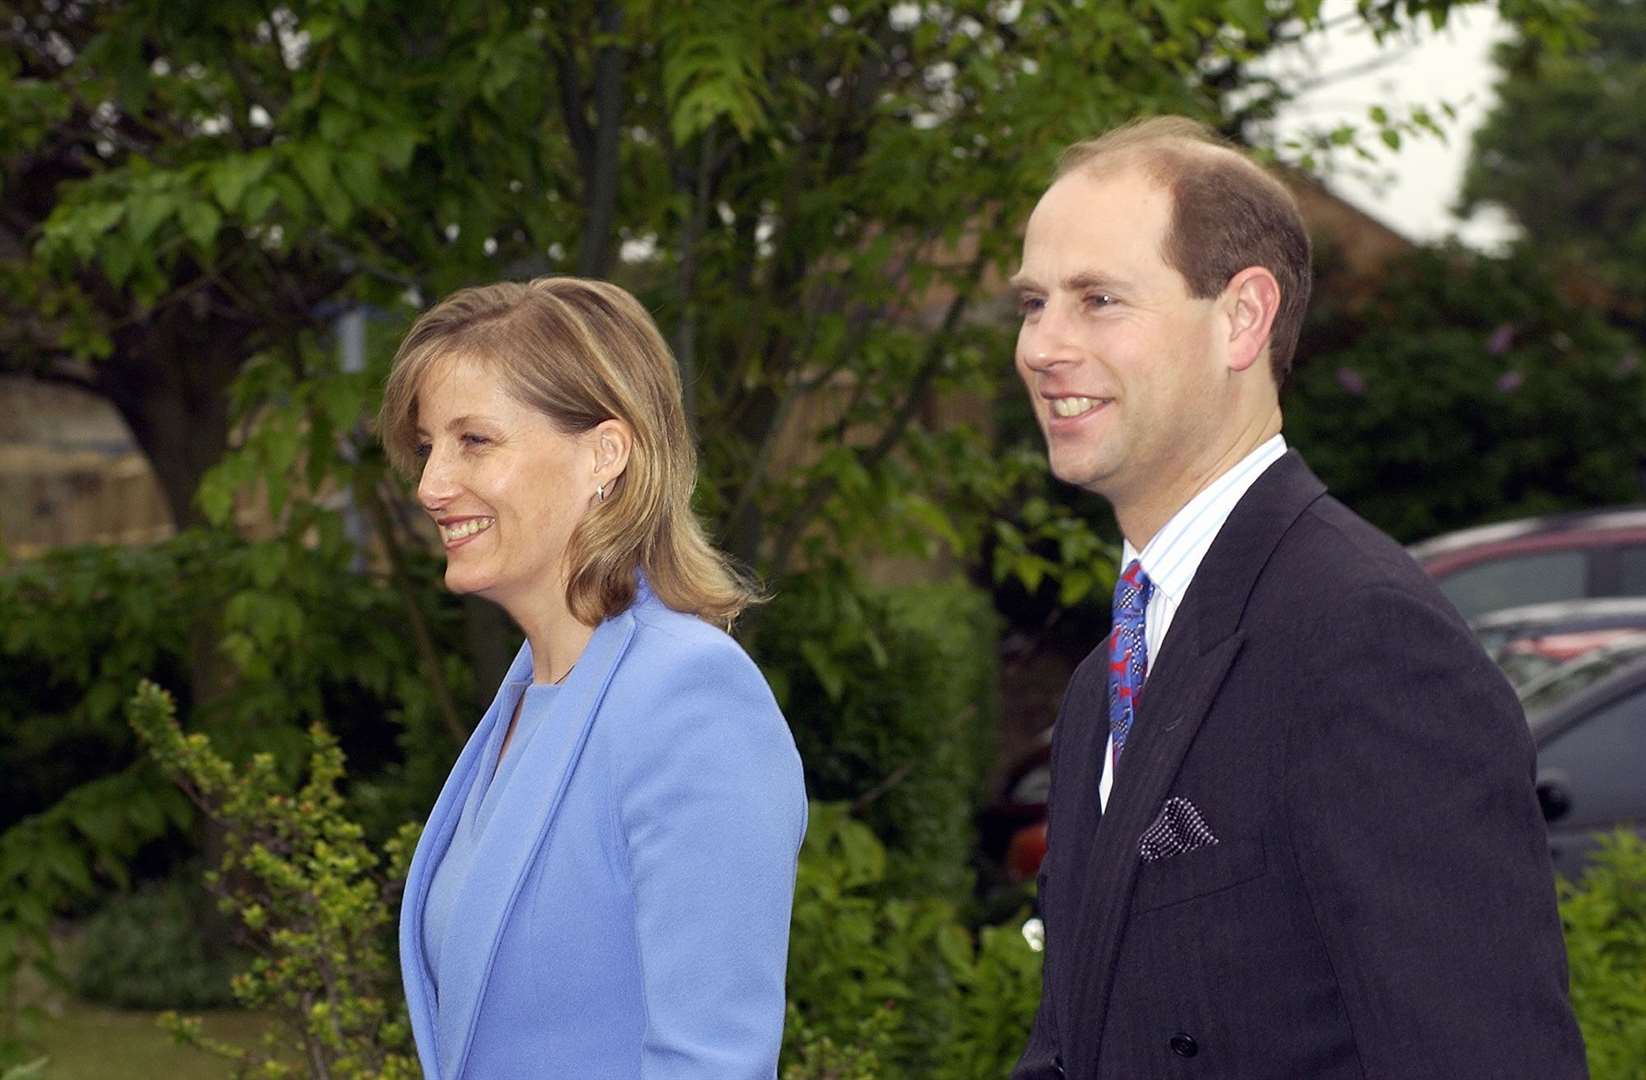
1545, 690
1516, 580
1599, 762
1631, 568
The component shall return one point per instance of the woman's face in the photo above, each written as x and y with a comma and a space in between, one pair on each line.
504, 486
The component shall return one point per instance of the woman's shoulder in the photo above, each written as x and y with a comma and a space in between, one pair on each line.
663, 634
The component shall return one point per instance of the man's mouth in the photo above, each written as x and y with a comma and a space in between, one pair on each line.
1067, 407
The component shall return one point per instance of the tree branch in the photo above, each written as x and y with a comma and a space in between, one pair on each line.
821, 488
422, 639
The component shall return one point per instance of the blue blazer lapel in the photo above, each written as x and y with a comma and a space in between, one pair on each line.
506, 855
431, 848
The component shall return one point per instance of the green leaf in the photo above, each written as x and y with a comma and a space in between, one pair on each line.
231, 177
200, 223
827, 669
394, 145
314, 164
147, 211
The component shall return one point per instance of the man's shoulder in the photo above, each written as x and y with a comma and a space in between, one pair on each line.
1332, 559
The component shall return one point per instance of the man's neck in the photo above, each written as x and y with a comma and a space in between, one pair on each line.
1141, 518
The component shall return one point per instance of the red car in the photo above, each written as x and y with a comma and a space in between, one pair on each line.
1536, 560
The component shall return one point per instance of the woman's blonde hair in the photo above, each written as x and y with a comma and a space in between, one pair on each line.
582, 352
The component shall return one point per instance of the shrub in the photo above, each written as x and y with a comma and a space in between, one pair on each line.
1468, 389
306, 888
147, 950
891, 987
893, 698
1605, 921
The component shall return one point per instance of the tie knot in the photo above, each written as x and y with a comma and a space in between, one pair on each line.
1132, 590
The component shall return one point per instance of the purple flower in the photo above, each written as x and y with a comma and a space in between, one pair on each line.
1351, 381
1504, 336
1509, 382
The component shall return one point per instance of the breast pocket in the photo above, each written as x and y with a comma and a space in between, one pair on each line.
1197, 873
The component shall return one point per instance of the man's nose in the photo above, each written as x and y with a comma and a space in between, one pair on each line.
1046, 341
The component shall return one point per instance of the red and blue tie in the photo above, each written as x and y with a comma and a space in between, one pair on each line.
1128, 652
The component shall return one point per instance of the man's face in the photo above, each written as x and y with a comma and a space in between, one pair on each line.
1122, 365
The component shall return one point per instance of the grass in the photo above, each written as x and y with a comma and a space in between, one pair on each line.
92, 1042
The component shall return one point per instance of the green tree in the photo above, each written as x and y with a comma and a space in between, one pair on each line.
811, 196
1563, 151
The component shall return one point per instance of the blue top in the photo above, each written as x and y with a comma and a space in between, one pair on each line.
624, 913
455, 867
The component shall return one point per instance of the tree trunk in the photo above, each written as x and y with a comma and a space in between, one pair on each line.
169, 378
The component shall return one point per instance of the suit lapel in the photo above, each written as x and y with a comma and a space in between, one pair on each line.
1202, 644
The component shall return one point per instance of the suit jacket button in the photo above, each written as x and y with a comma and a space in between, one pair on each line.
1184, 1045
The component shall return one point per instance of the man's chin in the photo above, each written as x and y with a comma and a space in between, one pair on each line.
1086, 475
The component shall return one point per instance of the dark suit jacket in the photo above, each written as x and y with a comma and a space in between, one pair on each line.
1379, 901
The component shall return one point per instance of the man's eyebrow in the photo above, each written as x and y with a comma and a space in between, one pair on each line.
1080, 281
1087, 279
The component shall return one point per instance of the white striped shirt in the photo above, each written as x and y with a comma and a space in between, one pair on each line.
1172, 555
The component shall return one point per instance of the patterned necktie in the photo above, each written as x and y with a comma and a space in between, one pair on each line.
1128, 652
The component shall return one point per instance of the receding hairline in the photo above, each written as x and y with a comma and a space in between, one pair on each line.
1163, 157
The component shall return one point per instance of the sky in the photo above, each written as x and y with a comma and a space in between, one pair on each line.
1411, 190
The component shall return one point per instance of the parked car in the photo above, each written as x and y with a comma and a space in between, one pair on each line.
1591, 764
1534, 560
1561, 681
1011, 830
1526, 641
1530, 660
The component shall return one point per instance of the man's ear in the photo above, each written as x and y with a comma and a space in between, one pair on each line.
613, 440
1251, 300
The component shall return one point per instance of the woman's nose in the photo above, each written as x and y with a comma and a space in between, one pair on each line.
435, 486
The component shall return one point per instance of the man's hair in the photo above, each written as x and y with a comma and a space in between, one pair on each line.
1228, 213
581, 352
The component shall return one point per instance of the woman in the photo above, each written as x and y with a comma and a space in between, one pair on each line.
603, 887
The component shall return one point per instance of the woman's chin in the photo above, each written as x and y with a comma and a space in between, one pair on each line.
462, 582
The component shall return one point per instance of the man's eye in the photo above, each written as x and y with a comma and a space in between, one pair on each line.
1030, 305
1099, 299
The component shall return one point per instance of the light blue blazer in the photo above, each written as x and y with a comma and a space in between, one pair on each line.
628, 914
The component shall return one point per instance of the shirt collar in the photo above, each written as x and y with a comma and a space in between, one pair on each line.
1174, 553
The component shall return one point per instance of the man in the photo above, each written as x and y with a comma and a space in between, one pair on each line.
1293, 833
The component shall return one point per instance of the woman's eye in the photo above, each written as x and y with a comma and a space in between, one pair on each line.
475, 440
421, 450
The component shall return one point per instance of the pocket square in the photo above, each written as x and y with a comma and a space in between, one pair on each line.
1178, 830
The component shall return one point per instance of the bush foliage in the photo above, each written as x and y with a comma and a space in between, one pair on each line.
1468, 390
893, 697
314, 900
145, 950
1604, 915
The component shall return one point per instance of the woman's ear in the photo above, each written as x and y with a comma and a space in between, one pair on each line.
613, 440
